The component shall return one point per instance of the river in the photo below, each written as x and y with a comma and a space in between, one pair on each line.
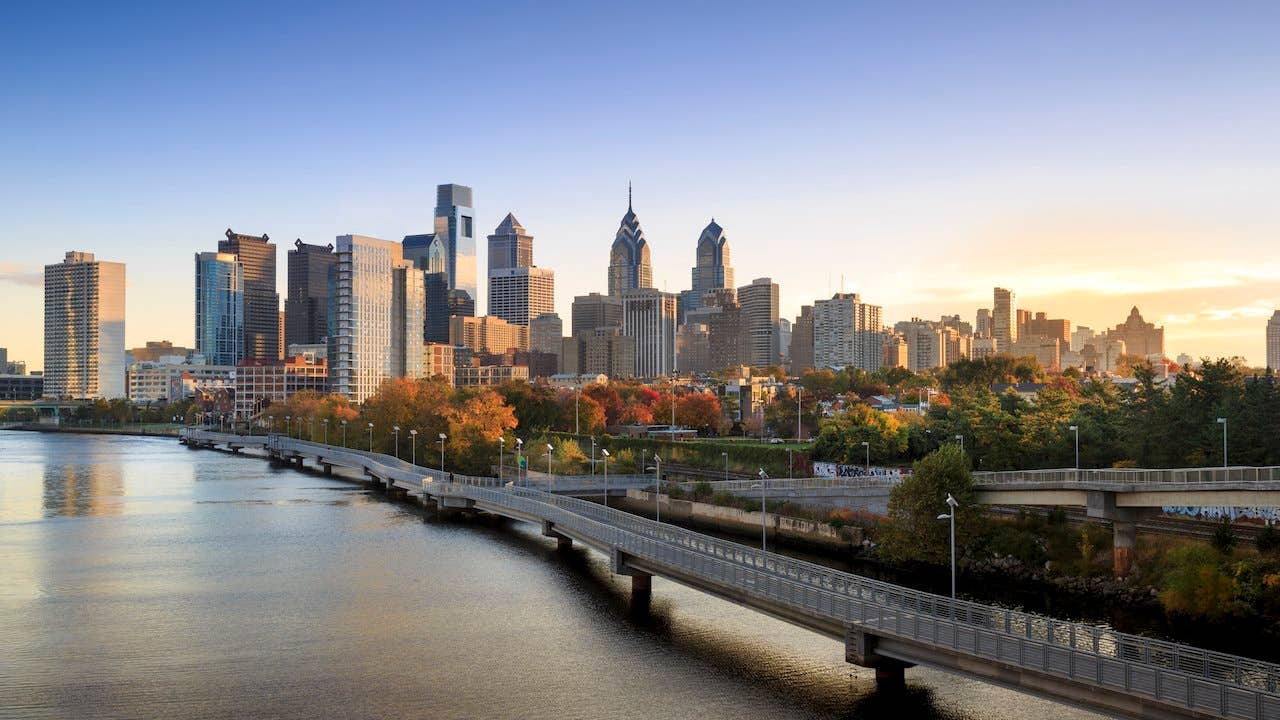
140, 579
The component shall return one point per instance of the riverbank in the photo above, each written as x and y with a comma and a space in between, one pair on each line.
137, 431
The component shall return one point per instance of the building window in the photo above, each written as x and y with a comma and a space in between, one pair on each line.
466, 226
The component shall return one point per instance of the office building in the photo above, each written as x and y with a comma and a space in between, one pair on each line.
306, 309
693, 347
605, 351
486, 375
84, 354
487, 334
546, 336
455, 229
1046, 350
510, 245
982, 323
711, 270
801, 356
895, 352
159, 351
408, 298
629, 266
1082, 336
257, 255
165, 382
220, 308
649, 318
519, 294
1042, 326
728, 337
1273, 342
438, 361
367, 319
21, 387
926, 348
984, 347
4, 360
258, 385
1139, 336
847, 333
784, 339
1004, 317
595, 311
759, 302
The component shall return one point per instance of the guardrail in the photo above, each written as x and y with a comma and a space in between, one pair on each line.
1131, 476
783, 484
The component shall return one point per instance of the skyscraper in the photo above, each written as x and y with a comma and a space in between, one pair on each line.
1140, 337
1004, 319
455, 224
373, 310
261, 302
847, 333
408, 300
711, 270
649, 318
759, 302
219, 308
801, 355
84, 328
629, 266
1273, 341
594, 311
518, 291
510, 246
982, 324
306, 309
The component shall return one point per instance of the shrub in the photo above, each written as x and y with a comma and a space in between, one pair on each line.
1268, 539
1224, 537
1196, 584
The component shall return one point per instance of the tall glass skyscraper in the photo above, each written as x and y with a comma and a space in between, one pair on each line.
455, 223
261, 301
219, 308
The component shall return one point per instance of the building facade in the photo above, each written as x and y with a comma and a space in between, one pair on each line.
306, 309
220, 307
84, 353
1139, 336
487, 334
1004, 317
800, 357
1273, 341
519, 294
258, 385
510, 245
594, 311
759, 302
629, 265
847, 333
455, 225
408, 298
257, 255
362, 351
649, 318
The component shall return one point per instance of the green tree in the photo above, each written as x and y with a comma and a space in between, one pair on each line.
914, 531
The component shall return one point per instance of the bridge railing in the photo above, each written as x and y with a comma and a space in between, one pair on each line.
1080, 637
1228, 685
1134, 476
785, 484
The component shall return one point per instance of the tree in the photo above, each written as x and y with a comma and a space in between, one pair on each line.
590, 418
840, 438
914, 531
475, 424
608, 399
700, 411
535, 405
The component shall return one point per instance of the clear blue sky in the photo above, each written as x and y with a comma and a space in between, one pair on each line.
1091, 156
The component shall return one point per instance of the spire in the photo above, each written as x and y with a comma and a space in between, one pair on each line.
628, 195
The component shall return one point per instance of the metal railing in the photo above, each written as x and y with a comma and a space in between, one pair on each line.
783, 484
1131, 476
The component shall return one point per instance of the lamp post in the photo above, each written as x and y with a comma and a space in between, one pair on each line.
1223, 421
550, 479
725, 455
370, 437
519, 459
413, 447
604, 457
443, 437
395, 433
799, 410
790, 465
577, 400
299, 419
288, 425
344, 433
324, 425
1076, 429
657, 487
764, 514
593, 455
502, 443
271, 424
311, 428
952, 505
961, 439
867, 447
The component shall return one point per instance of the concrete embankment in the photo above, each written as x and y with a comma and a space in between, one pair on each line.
158, 431
778, 528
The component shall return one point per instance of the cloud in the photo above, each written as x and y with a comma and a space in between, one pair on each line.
28, 275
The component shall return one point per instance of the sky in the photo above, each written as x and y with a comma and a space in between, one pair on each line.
1090, 156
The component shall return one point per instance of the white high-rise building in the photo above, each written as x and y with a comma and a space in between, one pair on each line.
1004, 318
84, 354
519, 294
1273, 342
847, 333
759, 302
649, 317
378, 299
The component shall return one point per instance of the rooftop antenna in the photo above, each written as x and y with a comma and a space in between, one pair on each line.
628, 194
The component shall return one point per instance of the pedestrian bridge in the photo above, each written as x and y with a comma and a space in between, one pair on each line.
883, 626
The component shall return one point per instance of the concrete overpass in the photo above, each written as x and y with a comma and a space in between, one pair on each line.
883, 626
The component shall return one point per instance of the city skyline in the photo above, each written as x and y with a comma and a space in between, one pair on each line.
1127, 162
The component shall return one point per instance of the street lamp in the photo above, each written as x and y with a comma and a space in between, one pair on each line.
519, 446
725, 455
311, 432
657, 487
799, 410
271, 424
577, 397
1223, 422
370, 437
288, 425
952, 505
395, 433
344, 433
867, 467
763, 510
443, 437
961, 439
593, 455
502, 443
604, 457
413, 447
324, 424
550, 480
1076, 429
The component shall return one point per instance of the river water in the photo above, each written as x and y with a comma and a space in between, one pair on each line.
139, 579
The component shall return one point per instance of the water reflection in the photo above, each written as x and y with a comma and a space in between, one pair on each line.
74, 489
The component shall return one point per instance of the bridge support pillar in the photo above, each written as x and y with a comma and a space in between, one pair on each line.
562, 542
1124, 525
860, 649
328, 468
1126, 539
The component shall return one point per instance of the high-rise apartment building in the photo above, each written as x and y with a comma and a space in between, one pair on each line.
629, 266
1273, 341
759, 302
595, 311
84, 328
1139, 336
847, 333
371, 303
220, 308
895, 352
408, 299
982, 323
261, 301
306, 309
1004, 318
649, 318
801, 355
